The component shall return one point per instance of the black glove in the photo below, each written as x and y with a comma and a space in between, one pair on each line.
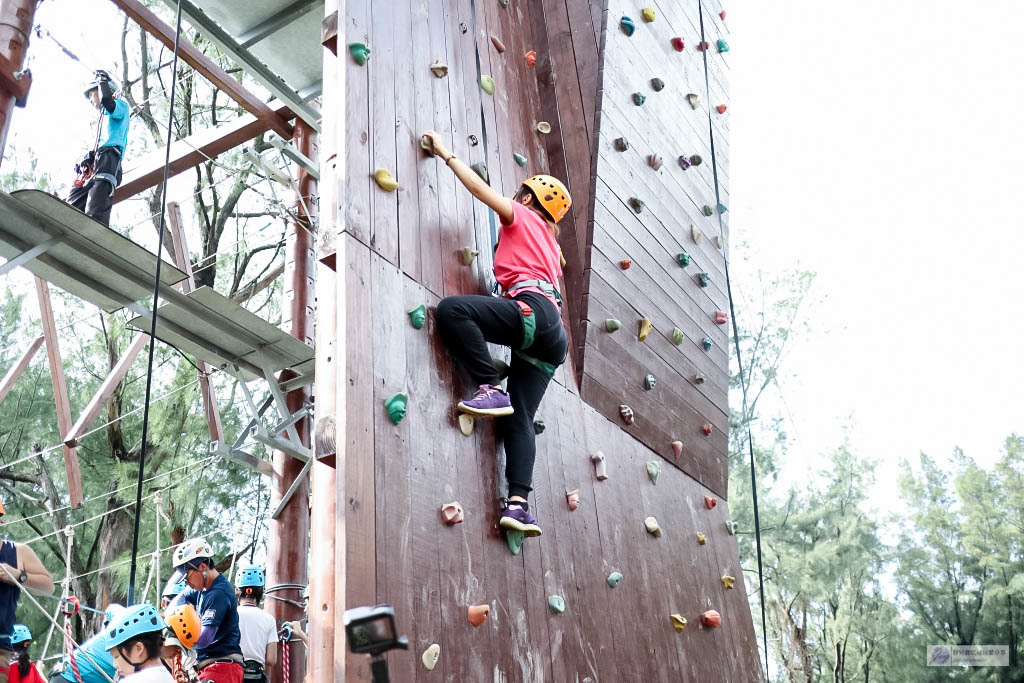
102, 76
86, 163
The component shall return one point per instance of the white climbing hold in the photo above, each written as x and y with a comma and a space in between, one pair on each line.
430, 656
466, 424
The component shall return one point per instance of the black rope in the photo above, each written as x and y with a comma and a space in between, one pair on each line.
152, 330
736, 341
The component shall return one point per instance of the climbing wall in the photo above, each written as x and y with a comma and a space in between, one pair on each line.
658, 520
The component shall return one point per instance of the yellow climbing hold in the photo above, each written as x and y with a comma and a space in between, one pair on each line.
487, 83
645, 329
728, 581
679, 622
386, 180
648, 14
544, 127
653, 528
468, 254
466, 424
701, 538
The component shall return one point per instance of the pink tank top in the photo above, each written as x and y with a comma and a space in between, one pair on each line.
527, 250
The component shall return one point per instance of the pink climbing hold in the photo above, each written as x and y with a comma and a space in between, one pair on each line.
707, 429
721, 317
703, 46
573, 499
711, 619
710, 502
451, 513
678, 44
677, 448
722, 14
498, 45
720, 109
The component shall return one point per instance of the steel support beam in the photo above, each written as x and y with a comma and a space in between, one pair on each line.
26, 256
15, 25
7, 383
204, 65
278, 21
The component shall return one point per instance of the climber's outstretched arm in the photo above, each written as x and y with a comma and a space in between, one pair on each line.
474, 183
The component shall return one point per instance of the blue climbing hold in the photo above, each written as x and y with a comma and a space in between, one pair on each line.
639, 99
707, 343
628, 27
723, 46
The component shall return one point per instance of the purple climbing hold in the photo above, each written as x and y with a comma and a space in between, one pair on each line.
684, 162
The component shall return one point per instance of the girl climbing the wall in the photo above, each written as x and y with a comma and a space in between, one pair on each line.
527, 318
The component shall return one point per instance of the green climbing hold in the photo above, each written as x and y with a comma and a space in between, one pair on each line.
520, 159
649, 382
639, 99
707, 343
723, 46
538, 426
722, 208
480, 168
657, 85
707, 210
677, 336
684, 259
703, 279
636, 204
418, 316
621, 144
556, 603
628, 27
487, 83
654, 470
514, 540
614, 579
611, 324
360, 52
396, 406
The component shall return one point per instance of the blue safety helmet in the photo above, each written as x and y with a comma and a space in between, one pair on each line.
21, 634
250, 576
135, 621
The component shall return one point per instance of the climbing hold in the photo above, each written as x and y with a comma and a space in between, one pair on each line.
721, 108
474, 140
538, 426
451, 513
693, 100
600, 468
556, 603
722, 45
722, 14
707, 428
514, 539
480, 168
498, 45
628, 27
649, 382
645, 329
707, 343
625, 263
648, 14
707, 210
464, 27
572, 498
466, 424
721, 317
396, 406
487, 83
468, 254
611, 324
696, 234
439, 68
696, 160
703, 279
430, 656
722, 208
385, 180
711, 619
503, 3
683, 258
520, 159
544, 127
701, 538
678, 622
731, 527
652, 527
614, 579
684, 162
418, 316
627, 414
360, 52
719, 242
657, 85
639, 99
561, 258
677, 336
698, 378
655, 161
677, 448
621, 144
703, 46
678, 44
728, 582
531, 58
427, 145
478, 613
710, 502
636, 204
654, 470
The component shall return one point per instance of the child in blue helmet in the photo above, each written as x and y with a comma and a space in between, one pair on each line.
258, 628
94, 663
22, 669
135, 641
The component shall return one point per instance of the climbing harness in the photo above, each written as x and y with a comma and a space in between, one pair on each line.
739, 361
87, 166
530, 321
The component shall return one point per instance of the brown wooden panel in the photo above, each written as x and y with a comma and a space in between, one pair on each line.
358, 164
381, 75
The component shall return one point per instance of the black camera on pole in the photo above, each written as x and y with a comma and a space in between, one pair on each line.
371, 631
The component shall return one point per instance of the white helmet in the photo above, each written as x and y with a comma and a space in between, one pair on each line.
113, 611
191, 550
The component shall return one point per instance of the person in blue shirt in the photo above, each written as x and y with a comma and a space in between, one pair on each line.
219, 647
100, 171
95, 665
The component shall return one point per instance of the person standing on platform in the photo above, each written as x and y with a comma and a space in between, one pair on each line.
258, 628
99, 172
218, 649
526, 317
22, 669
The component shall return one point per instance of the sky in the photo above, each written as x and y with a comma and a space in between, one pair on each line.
876, 144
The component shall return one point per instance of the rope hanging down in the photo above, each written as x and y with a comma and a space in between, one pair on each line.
739, 358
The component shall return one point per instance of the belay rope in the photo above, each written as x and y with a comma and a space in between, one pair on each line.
286, 653
69, 607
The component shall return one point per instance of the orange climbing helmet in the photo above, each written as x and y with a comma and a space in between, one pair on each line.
551, 193
183, 621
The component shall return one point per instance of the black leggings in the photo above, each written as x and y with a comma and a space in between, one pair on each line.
466, 323
96, 197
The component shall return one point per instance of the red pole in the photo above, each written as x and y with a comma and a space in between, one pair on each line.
15, 25
288, 540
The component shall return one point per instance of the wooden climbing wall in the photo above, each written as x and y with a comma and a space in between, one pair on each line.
398, 250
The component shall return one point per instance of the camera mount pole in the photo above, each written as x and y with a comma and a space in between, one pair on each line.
379, 670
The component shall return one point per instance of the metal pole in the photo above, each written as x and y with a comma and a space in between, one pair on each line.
15, 24
289, 533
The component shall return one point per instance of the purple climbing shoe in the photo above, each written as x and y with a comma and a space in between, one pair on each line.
518, 518
489, 401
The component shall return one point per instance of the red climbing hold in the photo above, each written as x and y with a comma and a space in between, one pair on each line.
720, 109
531, 58
722, 14
703, 46
678, 44
498, 45
711, 619
625, 263
721, 317
478, 613
707, 429
710, 502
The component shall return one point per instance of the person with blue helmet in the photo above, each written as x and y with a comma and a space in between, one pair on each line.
135, 641
258, 628
173, 588
95, 665
22, 669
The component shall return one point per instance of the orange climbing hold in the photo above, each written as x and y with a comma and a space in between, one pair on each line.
625, 263
721, 317
720, 109
711, 619
710, 502
531, 58
707, 429
498, 45
478, 614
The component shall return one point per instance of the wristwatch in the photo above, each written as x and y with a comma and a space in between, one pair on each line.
23, 577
